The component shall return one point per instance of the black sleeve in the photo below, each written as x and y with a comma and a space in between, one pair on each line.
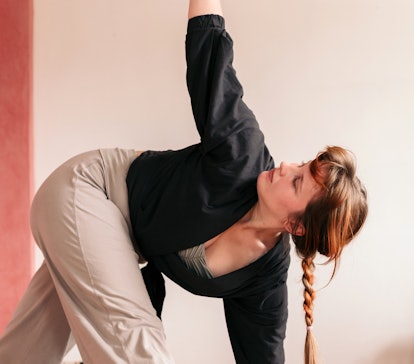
216, 94
257, 326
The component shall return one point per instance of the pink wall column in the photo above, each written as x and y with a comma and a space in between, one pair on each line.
16, 250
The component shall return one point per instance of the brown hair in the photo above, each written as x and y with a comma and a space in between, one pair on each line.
330, 221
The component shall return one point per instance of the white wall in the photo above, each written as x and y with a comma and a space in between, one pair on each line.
112, 73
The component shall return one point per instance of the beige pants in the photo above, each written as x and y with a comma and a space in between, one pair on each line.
90, 283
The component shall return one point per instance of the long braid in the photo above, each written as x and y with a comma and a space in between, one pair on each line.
330, 222
309, 295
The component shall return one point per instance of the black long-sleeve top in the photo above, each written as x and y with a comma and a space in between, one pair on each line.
179, 199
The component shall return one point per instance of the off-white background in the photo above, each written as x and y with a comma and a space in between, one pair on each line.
112, 73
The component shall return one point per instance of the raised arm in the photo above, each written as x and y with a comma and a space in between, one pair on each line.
204, 7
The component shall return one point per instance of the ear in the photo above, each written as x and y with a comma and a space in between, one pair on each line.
294, 227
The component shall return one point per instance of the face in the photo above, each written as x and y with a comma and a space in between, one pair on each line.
285, 192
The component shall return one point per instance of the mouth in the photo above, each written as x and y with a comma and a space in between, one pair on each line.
271, 172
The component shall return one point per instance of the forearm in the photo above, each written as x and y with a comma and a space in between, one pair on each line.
204, 7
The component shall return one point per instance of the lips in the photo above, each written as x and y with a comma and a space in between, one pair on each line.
271, 172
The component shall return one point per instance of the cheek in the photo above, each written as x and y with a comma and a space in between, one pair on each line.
282, 195
288, 200
289, 203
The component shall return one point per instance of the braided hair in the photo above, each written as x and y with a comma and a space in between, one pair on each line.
330, 221
309, 295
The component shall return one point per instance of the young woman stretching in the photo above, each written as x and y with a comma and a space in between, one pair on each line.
215, 217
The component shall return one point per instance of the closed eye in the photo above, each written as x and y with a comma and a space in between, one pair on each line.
295, 183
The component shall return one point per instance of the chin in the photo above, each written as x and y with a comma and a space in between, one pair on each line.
261, 182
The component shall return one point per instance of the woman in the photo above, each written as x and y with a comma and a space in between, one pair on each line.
214, 217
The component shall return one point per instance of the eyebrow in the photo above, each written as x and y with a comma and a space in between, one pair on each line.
300, 184
301, 178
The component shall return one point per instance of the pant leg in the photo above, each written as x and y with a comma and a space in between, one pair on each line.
86, 243
38, 331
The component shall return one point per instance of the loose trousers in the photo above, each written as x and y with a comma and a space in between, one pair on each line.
90, 283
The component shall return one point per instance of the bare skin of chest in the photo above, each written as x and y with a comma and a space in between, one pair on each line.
234, 249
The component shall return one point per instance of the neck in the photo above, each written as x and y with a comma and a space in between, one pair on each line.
262, 226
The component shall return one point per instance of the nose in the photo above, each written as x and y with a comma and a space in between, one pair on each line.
286, 167
282, 168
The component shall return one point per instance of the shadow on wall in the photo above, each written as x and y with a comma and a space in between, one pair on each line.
400, 352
